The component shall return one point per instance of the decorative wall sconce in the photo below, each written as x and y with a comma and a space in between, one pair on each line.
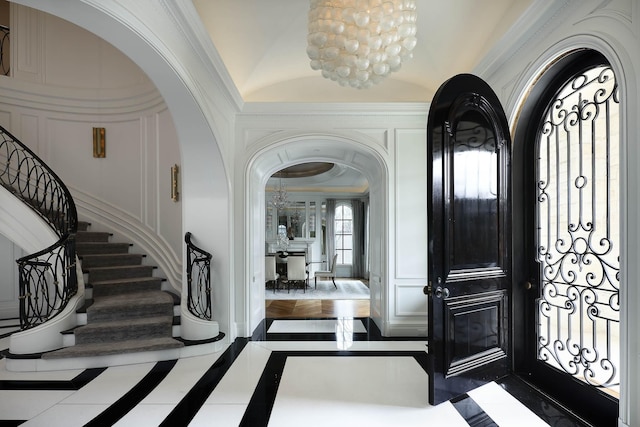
99, 142
174, 183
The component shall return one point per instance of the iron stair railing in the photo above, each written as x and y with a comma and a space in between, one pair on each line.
4, 50
47, 279
198, 280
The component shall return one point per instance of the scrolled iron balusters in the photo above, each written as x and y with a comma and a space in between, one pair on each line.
198, 280
48, 278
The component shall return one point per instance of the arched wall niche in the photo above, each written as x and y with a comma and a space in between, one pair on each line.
283, 151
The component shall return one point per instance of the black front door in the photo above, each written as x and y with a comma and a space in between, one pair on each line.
469, 238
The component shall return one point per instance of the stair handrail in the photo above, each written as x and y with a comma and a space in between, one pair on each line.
198, 280
47, 278
5, 33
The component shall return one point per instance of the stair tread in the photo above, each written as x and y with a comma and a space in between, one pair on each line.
131, 299
106, 256
116, 267
127, 279
104, 243
109, 348
112, 324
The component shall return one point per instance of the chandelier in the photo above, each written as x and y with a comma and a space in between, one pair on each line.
359, 42
279, 198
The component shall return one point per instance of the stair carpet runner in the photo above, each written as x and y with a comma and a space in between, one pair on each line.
128, 312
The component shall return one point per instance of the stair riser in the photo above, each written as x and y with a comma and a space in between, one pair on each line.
92, 236
130, 287
113, 273
92, 261
121, 313
101, 248
122, 334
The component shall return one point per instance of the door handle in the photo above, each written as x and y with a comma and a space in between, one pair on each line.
441, 292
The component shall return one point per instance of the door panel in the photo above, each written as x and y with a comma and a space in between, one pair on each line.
469, 235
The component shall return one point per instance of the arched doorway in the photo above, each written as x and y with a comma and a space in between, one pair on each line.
568, 142
295, 149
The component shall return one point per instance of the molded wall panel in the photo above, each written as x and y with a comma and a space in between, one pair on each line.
411, 204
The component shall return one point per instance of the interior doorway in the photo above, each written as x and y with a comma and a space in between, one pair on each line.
304, 149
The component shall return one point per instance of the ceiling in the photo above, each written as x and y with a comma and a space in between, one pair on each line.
263, 45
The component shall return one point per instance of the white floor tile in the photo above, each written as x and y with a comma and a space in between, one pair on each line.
145, 415
357, 390
355, 346
320, 326
238, 384
219, 416
110, 385
66, 415
503, 408
26, 404
36, 376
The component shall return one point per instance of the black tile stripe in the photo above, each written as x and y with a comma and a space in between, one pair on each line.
472, 413
12, 423
540, 404
191, 403
75, 383
261, 404
134, 396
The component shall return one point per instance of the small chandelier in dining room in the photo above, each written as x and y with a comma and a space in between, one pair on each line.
359, 42
280, 198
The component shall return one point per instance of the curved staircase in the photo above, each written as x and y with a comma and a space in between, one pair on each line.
126, 310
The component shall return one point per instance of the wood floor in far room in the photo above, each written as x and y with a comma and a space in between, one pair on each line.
319, 309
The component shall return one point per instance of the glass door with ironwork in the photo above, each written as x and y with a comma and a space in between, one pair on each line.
574, 230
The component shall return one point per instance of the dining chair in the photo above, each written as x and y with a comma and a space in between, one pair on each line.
270, 274
327, 273
297, 271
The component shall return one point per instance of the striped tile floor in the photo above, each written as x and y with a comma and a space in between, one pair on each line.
324, 372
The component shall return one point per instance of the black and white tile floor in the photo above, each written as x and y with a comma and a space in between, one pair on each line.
291, 373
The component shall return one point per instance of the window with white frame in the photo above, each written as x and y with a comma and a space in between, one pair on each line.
344, 233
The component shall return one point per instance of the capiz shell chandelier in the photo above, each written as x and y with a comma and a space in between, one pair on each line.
359, 42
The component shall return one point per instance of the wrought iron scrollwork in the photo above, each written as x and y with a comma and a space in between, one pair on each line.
578, 230
47, 279
198, 280
47, 282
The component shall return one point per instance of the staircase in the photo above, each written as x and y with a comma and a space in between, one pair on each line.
126, 310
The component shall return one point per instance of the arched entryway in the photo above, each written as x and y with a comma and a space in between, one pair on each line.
567, 153
294, 149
